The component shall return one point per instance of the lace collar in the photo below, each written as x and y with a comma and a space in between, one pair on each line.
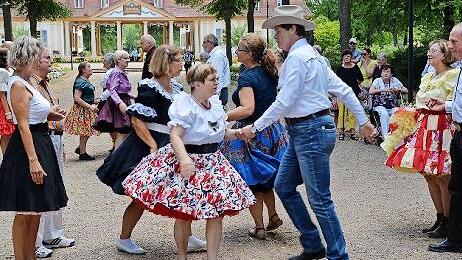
154, 84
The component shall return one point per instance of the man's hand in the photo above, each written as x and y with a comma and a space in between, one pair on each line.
368, 131
56, 113
435, 104
246, 133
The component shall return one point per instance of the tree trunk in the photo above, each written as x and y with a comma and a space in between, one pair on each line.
345, 22
285, 2
7, 24
448, 17
250, 17
228, 40
33, 26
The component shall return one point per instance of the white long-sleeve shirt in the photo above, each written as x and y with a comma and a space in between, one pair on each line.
220, 62
305, 81
455, 106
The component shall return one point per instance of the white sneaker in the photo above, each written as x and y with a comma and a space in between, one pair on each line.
195, 244
59, 242
128, 246
43, 252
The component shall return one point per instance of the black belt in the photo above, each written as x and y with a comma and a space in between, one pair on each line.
296, 120
55, 132
201, 148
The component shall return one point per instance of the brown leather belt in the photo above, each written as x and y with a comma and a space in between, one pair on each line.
296, 120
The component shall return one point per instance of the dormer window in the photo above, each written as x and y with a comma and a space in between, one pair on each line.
104, 3
279, 2
157, 3
257, 7
78, 3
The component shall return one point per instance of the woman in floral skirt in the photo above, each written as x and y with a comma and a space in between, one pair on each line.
6, 117
83, 112
191, 179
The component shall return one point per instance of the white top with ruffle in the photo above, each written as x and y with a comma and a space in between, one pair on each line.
202, 126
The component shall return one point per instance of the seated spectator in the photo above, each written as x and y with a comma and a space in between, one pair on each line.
386, 90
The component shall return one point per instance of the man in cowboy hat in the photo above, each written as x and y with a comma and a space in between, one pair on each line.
355, 52
305, 81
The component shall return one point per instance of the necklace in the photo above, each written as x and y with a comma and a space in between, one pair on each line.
205, 106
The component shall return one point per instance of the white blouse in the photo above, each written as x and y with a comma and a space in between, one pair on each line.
4, 75
202, 126
39, 107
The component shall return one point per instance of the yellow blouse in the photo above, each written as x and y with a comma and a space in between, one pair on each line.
441, 87
367, 81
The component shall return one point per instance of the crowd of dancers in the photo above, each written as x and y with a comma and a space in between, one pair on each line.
180, 155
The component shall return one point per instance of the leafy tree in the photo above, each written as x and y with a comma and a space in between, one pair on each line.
222, 10
39, 10
236, 34
7, 24
132, 33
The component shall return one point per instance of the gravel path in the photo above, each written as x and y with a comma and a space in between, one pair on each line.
382, 212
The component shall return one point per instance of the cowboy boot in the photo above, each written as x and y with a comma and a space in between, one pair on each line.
441, 231
439, 218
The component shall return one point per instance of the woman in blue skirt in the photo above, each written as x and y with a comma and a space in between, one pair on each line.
257, 161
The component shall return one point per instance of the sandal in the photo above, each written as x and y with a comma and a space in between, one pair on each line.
274, 222
341, 137
258, 233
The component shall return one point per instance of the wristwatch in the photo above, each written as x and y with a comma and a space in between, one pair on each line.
254, 129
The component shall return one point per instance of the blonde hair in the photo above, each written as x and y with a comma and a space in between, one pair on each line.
25, 50
119, 54
443, 45
199, 73
256, 45
161, 59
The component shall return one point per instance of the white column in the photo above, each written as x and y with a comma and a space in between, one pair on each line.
93, 39
67, 38
197, 40
119, 35
170, 32
145, 27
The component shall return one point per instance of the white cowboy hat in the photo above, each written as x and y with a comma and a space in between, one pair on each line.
289, 14
353, 40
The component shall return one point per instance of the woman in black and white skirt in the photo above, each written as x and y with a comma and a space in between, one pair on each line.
30, 182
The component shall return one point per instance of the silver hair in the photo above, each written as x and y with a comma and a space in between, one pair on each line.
204, 55
109, 58
120, 54
25, 50
382, 55
212, 39
149, 38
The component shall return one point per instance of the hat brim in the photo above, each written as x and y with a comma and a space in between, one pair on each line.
272, 22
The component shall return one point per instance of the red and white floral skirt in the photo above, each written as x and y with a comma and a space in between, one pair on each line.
425, 151
215, 189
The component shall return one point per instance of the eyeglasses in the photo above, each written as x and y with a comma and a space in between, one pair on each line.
364, 53
239, 50
434, 51
214, 79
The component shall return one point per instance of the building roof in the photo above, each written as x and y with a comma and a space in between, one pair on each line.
91, 7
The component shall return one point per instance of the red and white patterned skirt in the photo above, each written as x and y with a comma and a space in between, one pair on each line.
426, 151
215, 189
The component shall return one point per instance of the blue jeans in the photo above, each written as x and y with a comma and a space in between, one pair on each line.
307, 161
224, 96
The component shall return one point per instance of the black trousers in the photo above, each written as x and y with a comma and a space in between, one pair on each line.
455, 187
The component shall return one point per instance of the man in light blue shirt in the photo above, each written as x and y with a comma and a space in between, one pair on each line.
305, 82
453, 243
218, 59
355, 52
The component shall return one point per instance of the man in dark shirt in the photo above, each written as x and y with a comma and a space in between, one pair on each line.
148, 45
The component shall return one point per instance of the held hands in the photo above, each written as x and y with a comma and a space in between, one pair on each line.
94, 108
9, 117
245, 133
436, 104
368, 131
187, 167
123, 108
36, 171
56, 113
153, 149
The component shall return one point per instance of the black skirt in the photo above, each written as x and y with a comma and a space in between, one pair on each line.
17, 190
120, 163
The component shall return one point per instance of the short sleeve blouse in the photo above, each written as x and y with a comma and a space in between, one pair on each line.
387, 100
87, 89
152, 103
4, 75
202, 126
441, 87
264, 90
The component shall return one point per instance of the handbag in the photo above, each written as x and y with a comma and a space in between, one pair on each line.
263, 166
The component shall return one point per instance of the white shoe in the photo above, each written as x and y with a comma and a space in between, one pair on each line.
195, 244
128, 246
59, 242
43, 252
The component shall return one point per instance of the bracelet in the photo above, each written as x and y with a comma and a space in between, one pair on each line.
7, 113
